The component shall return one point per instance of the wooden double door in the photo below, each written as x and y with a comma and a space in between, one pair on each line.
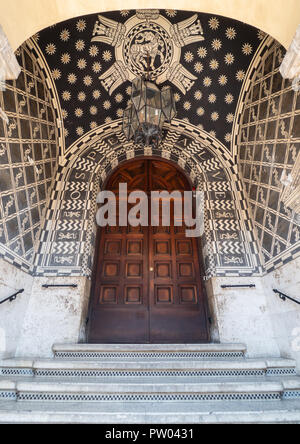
147, 280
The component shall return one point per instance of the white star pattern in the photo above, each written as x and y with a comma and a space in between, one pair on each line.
119, 98
120, 113
198, 67
198, 95
223, 80
93, 110
207, 81
229, 58
66, 95
202, 52
80, 45
231, 33
65, 58
230, 118
107, 105
171, 12
72, 78
229, 99
96, 94
107, 56
240, 75
216, 44
214, 23
56, 74
228, 137
215, 116
65, 35
247, 49
78, 112
76, 63
81, 25
97, 67
93, 51
81, 96
51, 49
214, 64
81, 63
189, 57
87, 80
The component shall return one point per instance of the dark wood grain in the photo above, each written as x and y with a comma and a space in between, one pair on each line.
148, 286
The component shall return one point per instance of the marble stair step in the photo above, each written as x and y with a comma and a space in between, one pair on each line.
77, 390
56, 367
272, 412
146, 351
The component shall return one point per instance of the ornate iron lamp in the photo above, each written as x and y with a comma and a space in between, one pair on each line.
150, 108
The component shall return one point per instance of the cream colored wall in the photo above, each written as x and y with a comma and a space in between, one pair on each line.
23, 18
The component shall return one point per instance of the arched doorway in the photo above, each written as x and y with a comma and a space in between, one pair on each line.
147, 280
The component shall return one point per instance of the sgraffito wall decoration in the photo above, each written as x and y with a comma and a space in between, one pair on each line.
68, 243
94, 58
28, 158
236, 130
268, 145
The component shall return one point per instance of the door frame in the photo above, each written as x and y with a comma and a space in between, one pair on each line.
198, 241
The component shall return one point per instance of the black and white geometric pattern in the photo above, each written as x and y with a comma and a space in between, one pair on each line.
236, 130
268, 143
218, 64
28, 160
228, 243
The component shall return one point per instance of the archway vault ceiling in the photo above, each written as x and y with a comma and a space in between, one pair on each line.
94, 58
24, 18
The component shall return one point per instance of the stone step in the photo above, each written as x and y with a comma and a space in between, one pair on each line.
278, 412
160, 351
78, 391
147, 368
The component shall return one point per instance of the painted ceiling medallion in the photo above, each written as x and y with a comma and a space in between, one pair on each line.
148, 33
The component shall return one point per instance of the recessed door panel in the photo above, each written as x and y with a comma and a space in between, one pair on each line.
147, 286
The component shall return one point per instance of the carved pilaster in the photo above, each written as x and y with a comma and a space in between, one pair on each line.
290, 194
290, 67
9, 67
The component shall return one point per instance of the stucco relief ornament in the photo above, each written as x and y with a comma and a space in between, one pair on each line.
9, 67
290, 66
148, 34
290, 193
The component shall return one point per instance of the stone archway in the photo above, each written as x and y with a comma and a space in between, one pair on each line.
69, 233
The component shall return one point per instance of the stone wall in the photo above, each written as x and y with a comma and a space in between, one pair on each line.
12, 314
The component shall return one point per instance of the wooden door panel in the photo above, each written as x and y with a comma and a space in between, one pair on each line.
148, 286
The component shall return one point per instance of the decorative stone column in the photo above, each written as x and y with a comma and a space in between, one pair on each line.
290, 67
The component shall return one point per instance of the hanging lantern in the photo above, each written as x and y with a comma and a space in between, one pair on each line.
150, 108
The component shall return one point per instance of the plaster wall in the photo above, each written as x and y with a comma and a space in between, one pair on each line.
257, 317
23, 18
12, 314
285, 316
54, 315
241, 315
